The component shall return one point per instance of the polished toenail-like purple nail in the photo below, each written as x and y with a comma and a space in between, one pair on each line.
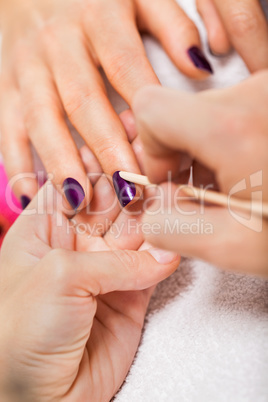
199, 59
73, 192
125, 190
25, 201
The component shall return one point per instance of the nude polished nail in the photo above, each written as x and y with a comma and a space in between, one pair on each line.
199, 59
125, 190
73, 192
25, 201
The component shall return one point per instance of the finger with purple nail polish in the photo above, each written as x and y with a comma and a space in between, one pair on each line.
199, 59
125, 190
73, 192
25, 201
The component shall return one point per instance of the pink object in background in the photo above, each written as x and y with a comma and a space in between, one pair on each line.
10, 207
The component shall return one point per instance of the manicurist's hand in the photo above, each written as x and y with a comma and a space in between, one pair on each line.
52, 51
241, 24
225, 132
72, 302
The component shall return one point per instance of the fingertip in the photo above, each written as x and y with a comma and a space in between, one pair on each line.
125, 190
179, 36
78, 193
200, 61
246, 28
25, 201
18, 162
24, 186
219, 43
71, 179
219, 53
164, 257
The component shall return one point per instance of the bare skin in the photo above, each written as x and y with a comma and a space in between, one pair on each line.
226, 131
73, 304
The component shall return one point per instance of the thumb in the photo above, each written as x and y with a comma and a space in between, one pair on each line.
97, 273
219, 236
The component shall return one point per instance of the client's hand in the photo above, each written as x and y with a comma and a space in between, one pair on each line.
51, 55
72, 304
226, 131
238, 23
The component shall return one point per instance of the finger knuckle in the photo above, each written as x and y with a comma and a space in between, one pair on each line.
122, 63
78, 97
106, 147
243, 22
37, 111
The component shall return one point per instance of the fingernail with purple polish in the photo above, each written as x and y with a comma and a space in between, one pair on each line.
199, 59
73, 192
25, 201
125, 190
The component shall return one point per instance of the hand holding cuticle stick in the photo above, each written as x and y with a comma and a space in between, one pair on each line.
202, 195
236, 154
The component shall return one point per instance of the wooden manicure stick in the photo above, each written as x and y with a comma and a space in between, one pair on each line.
212, 197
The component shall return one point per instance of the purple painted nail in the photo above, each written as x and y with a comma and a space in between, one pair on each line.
125, 190
199, 59
73, 192
25, 201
